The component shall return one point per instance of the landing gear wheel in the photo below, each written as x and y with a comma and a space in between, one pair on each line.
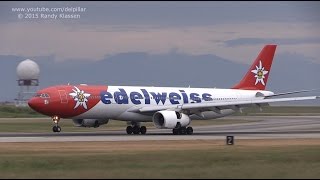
175, 131
189, 130
129, 129
136, 129
143, 130
56, 128
183, 130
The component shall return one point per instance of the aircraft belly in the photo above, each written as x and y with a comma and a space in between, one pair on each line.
132, 116
104, 111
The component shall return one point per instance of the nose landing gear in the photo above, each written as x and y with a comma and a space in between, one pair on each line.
56, 120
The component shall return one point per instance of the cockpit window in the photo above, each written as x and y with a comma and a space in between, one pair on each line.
42, 95
37, 95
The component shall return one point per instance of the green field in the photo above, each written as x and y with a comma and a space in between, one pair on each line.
60, 160
10, 111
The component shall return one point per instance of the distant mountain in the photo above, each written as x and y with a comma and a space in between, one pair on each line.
289, 72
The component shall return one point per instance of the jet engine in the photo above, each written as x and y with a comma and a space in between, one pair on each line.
170, 119
89, 122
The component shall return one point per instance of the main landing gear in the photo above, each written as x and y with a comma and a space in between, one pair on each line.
182, 130
136, 128
56, 120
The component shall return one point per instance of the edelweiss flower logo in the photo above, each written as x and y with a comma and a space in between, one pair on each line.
259, 74
80, 97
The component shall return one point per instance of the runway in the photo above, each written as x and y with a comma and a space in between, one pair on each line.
268, 127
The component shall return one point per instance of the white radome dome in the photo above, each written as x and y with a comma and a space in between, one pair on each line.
27, 70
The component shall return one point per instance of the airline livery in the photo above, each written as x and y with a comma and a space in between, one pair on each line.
167, 107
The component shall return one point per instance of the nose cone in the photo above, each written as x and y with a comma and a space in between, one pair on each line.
34, 104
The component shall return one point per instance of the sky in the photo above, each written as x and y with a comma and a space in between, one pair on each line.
235, 31
109, 28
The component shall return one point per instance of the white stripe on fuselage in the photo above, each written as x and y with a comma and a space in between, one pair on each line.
117, 100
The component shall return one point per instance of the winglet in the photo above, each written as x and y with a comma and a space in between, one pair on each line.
257, 76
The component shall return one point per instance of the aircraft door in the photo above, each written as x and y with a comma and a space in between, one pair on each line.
63, 96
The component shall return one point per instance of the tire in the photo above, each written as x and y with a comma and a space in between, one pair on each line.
54, 128
143, 130
183, 130
189, 130
136, 129
129, 129
175, 131
58, 128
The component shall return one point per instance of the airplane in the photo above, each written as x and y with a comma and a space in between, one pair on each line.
167, 107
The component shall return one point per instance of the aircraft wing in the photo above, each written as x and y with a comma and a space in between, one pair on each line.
292, 92
217, 106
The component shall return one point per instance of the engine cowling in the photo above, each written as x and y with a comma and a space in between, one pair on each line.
170, 119
89, 122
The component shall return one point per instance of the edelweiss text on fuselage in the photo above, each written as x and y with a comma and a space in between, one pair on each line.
121, 97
